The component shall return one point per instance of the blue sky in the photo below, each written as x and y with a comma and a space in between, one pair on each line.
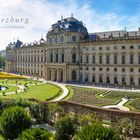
97, 15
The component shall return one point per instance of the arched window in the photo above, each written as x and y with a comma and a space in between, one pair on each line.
62, 58
73, 58
73, 75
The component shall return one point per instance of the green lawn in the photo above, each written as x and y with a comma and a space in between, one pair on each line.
120, 94
1, 138
71, 92
9, 88
35, 89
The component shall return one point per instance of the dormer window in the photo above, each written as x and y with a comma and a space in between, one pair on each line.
56, 40
74, 38
62, 39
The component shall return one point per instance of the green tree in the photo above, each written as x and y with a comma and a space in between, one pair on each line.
13, 121
65, 128
35, 134
96, 131
2, 61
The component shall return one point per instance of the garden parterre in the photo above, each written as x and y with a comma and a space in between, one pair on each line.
34, 89
91, 97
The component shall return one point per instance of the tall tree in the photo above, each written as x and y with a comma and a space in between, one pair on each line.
2, 61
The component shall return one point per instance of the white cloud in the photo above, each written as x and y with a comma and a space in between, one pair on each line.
43, 13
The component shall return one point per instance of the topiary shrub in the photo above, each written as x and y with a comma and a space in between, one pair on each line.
65, 128
96, 131
35, 134
13, 121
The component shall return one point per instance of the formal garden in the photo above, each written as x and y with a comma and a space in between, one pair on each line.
98, 97
25, 105
14, 87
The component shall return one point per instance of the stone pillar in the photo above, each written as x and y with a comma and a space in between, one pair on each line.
64, 75
58, 75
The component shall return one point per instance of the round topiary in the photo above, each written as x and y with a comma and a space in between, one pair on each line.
13, 121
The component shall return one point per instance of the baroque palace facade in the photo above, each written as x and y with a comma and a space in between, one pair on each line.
71, 54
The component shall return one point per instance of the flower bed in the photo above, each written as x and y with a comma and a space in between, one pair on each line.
89, 96
10, 76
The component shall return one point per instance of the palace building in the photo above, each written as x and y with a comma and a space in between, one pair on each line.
71, 54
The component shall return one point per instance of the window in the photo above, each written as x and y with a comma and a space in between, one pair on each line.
93, 79
123, 69
93, 69
107, 59
131, 70
100, 79
51, 58
108, 80
100, 59
139, 47
123, 59
86, 68
56, 57
100, 69
93, 59
123, 47
100, 48
131, 59
56, 40
62, 39
115, 59
74, 38
81, 68
62, 58
115, 80
139, 59
139, 70
115, 69
115, 48
107, 69
139, 81
87, 49
123, 81
107, 48
73, 75
81, 59
86, 78
131, 47
93, 49
81, 77
87, 59
73, 58
131, 80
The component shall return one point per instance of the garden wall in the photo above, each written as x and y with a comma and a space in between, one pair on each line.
113, 115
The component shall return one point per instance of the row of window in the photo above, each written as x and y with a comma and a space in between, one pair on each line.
108, 69
55, 58
29, 65
108, 81
101, 58
61, 39
115, 48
